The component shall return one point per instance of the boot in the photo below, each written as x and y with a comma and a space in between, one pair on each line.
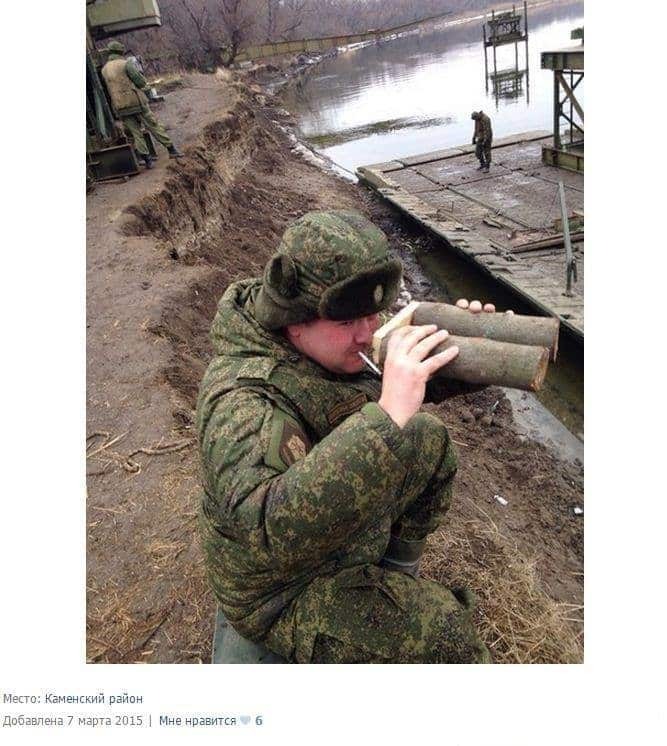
174, 152
403, 555
148, 160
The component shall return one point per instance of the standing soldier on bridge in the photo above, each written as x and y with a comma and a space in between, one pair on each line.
126, 86
483, 138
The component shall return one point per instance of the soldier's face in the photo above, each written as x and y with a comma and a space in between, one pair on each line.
335, 344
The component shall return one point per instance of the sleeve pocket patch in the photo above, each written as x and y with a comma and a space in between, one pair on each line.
288, 444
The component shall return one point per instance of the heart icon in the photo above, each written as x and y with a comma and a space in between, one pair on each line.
245, 719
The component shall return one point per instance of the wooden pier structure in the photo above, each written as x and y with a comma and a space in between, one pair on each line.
508, 222
567, 149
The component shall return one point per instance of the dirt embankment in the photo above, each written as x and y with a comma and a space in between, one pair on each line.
162, 247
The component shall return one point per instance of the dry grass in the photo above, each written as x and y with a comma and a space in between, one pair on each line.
121, 629
160, 609
128, 622
518, 621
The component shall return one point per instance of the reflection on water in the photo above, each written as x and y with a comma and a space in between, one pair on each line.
508, 83
391, 125
428, 84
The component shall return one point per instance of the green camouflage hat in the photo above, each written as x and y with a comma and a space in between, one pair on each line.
332, 265
115, 47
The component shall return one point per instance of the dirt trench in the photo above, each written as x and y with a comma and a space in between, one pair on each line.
160, 254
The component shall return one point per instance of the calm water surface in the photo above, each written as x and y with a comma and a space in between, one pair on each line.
415, 94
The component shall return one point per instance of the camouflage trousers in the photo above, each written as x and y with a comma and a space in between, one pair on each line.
369, 614
483, 152
133, 124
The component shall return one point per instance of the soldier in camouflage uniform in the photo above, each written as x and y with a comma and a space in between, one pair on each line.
126, 86
483, 138
322, 482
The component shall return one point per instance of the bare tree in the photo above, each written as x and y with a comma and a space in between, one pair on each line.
295, 11
201, 20
204, 33
271, 11
238, 19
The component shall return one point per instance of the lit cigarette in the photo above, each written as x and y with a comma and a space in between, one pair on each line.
370, 364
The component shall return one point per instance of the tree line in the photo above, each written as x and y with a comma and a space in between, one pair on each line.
201, 34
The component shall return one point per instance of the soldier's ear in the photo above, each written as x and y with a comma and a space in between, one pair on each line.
281, 276
293, 331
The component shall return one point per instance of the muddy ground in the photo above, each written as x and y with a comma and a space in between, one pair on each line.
161, 248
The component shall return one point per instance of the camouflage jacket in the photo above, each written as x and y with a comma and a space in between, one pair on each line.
483, 132
301, 467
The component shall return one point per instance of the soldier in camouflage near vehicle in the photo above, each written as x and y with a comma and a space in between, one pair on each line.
126, 86
321, 481
483, 139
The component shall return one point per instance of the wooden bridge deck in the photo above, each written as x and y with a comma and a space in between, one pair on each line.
496, 218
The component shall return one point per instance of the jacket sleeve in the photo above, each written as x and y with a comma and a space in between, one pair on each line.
308, 508
135, 76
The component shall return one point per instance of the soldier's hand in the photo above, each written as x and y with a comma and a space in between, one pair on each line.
476, 306
407, 368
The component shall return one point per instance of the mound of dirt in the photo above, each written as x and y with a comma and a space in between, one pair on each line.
161, 250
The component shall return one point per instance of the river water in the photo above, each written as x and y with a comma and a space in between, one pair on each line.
413, 95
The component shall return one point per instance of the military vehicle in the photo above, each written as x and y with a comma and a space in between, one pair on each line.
109, 154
